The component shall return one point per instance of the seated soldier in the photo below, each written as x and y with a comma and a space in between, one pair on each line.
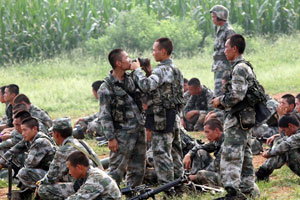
285, 150
41, 150
36, 112
2, 100
186, 94
11, 91
197, 106
199, 157
91, 124
57, 183
97, 184
297, 102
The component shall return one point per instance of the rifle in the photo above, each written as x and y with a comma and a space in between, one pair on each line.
145, 192
11, 166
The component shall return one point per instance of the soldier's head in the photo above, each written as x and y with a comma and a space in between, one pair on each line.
287, 103
213, 129
289, 124
95, 86
185, 85
219, 14
234, 47
2, 91
162, 49
22, 99
18, 117
11, 91
297, 101
194, 86
61, 129
30, 127
78, 164
118, 59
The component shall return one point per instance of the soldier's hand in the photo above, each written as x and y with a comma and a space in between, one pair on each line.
135, 65
187, 161
271, 139
149, 135
192, 177
80, 119
215, 102
210, 115
191, 113
265, 154
113, 145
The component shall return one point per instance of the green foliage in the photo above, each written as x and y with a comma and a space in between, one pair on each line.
136, 31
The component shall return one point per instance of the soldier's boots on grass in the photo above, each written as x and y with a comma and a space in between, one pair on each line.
232, 194
263, 174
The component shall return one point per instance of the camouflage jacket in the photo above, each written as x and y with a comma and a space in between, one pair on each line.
285, 144
41, 115
15, 138
220, 62
200, 102
58, 170
40, 150
91, 117
241, 79
97, 185
118, 110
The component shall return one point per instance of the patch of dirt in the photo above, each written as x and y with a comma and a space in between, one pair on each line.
3, 192
276, 194
258, 160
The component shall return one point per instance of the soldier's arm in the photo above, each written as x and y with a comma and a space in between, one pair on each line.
105, 115
239, 86
91, 117
87, 191
37, 152
209, 97
293, 142
150, 83
18, 148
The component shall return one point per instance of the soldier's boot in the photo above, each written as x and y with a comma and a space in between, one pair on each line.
232, 194
180, 190
169, 194
263, 174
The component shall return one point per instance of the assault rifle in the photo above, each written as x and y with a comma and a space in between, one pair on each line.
145, 192
11, 166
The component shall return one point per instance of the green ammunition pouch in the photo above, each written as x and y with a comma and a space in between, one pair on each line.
253, 109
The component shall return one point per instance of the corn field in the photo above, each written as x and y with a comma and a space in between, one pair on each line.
43, 28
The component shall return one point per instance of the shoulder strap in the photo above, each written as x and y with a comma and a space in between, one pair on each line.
88, 153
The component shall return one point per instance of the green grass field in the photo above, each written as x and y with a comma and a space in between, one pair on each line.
62, 86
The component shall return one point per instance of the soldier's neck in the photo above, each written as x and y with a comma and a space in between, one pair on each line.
119, 74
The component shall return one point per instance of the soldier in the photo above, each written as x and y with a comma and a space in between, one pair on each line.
166, 87
197, 106
199, 157
121, 118
57, 183
97, 184
2, 100
284, 151
297, 102
221, 66
91, 124
11, 91
41, 150
35, 112
236, 167
186, 94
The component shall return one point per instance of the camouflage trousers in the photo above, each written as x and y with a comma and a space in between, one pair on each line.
29, 176
130, 158
200, 161
291, 158
218, 77
195, 123
264, 131
57, 191
209, 178
167, 155
236, 167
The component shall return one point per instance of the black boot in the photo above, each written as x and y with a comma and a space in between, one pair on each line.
232, 194
263, 174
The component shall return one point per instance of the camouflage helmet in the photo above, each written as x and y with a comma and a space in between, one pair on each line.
61, 123
220, 11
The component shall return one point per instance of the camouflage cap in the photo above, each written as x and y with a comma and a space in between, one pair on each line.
61, 123
220, 11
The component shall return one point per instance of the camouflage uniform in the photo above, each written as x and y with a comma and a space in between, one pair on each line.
42, 116
41, 151
165, 86
57, 182
121, 119
187, 96
236, 165
9, 115
285, 150
97, 185
220, 64
93, 124
199, 102
201, 158
15, 138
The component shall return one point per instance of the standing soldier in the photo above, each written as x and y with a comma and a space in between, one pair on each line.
120, 116
236, 167
166, 87
219, 15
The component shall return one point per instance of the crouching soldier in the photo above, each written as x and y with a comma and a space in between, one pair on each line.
41, 150
96, 183
57, 184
